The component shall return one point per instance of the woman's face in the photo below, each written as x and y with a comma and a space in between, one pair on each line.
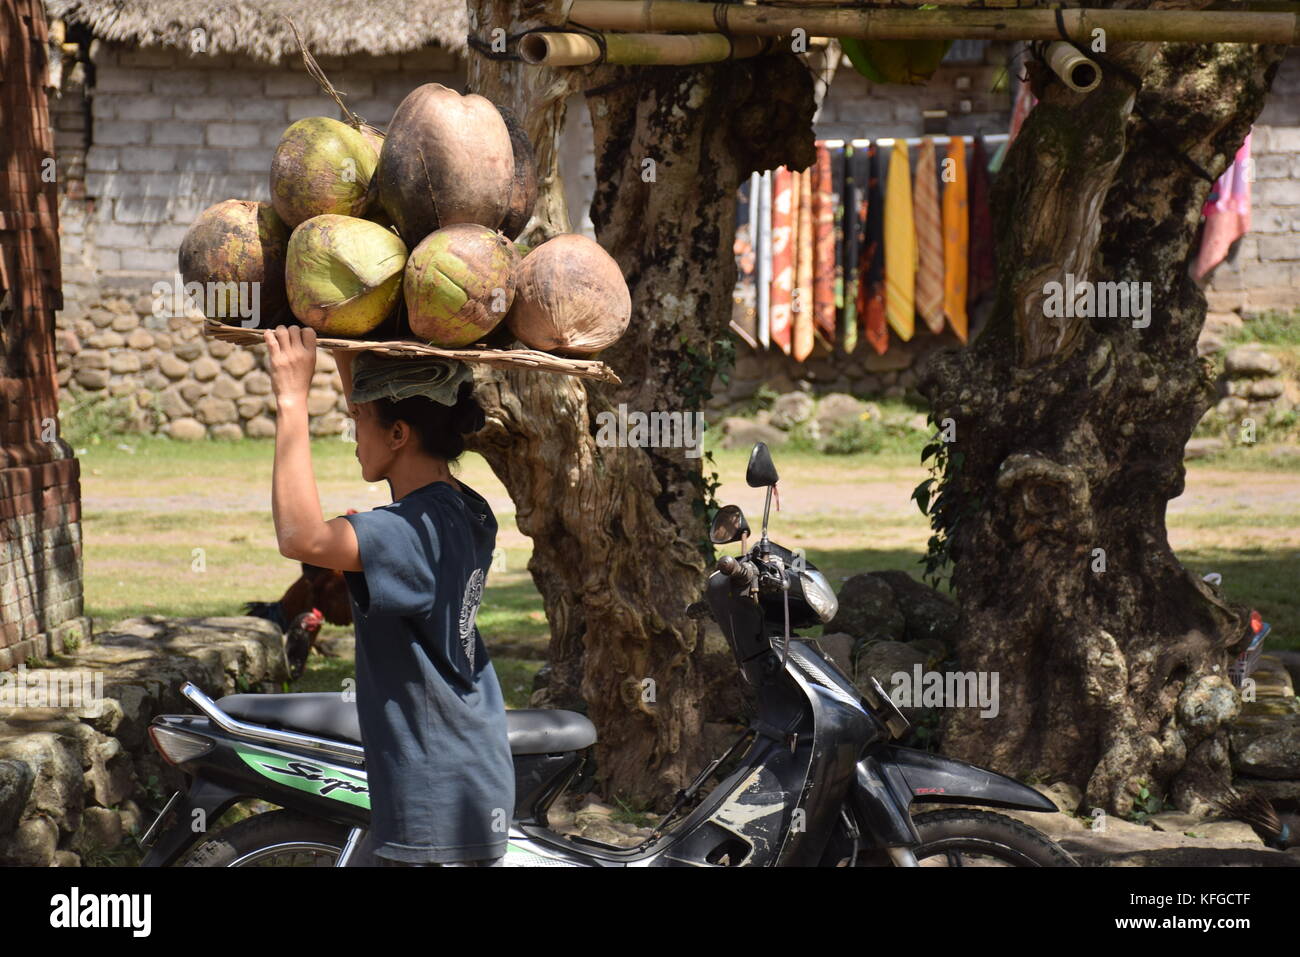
375, 441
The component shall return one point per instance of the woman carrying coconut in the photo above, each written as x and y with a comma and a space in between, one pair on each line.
432, 715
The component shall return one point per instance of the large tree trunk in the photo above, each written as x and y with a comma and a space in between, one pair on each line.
1113, 657
619, 538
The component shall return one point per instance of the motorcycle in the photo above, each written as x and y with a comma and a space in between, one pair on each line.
815, 779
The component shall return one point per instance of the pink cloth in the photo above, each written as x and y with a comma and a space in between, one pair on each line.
1227, 213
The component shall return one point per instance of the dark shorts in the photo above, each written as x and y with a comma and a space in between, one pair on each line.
364, 856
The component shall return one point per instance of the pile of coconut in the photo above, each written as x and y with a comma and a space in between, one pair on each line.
371, 234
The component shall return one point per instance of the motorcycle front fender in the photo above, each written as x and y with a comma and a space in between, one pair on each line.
174, 831
933, 778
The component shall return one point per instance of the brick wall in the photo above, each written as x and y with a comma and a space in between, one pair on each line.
171, 134
40, 497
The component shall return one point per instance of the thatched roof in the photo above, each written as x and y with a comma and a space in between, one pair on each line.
257, 27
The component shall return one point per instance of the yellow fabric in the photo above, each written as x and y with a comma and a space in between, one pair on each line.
900, 245
956, 238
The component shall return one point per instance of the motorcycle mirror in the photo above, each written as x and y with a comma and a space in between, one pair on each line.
761, 471
728, 526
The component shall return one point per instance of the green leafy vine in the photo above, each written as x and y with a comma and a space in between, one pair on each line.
940, 501
696, 372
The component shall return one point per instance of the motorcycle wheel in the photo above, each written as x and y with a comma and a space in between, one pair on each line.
272, 839
967, 838
964, 837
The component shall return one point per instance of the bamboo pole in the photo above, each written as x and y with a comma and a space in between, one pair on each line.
1173, 26
647, 49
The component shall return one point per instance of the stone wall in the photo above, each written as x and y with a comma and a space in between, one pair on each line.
157, 138
78, 773
171, 379
1265, 273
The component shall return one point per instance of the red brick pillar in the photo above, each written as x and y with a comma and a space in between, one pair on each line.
40, 492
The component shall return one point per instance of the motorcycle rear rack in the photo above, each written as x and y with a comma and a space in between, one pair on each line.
353, 753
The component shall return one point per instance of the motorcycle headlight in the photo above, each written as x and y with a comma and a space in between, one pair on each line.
818, 593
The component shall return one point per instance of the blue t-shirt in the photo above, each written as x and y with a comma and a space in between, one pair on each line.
432, 716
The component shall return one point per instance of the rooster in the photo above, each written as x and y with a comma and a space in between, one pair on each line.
300, 640
1280, 831
317, 587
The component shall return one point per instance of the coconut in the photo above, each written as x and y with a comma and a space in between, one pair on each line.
446, 159
459, 284
344, 274
523, 190
570, 299
321, 167
233, 243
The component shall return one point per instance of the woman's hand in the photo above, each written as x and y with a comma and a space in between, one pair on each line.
293, 360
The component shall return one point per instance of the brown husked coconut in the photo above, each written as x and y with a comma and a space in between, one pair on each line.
236, 251
570, 298
523, 192
446, 159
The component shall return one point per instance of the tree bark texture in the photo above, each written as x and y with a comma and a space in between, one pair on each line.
620, 548
1069, 443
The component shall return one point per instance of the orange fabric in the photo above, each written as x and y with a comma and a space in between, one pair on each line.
782, 259
824, 247
803, 315
956, 238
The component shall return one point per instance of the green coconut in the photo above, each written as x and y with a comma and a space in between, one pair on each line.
322, 166
344, 274
571, 298
459, 284
233, 243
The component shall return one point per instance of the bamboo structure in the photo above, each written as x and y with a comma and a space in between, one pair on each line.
499, 358
644, 49
1172, 26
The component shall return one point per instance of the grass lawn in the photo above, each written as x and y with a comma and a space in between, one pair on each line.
184, 529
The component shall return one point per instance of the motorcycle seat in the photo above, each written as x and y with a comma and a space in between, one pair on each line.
325, 714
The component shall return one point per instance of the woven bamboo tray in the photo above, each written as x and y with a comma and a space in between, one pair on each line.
500, 358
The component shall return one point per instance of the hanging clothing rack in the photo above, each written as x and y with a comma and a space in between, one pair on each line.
939, 140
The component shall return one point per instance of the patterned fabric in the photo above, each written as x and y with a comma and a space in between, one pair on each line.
837, 197
855, 209
382, 377
802, 316
983, 276
744, 311
1227, 213
900, 245
871, 284
763, 266
783, 225
823, 215
929, 239
956, 235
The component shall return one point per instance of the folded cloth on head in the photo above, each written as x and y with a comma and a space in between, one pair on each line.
380, 377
